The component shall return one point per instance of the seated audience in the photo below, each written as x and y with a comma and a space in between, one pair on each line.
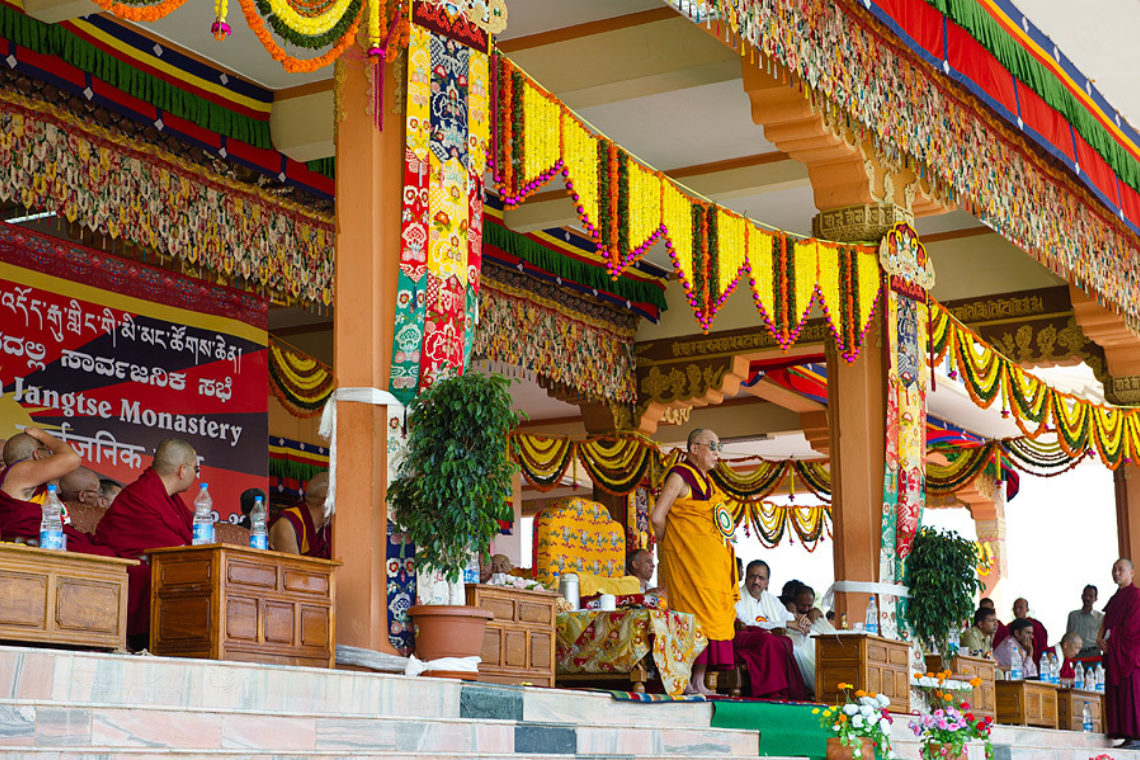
1086, 622
1002, 630
245, 504
34, 459
762, 642
80, 488
150, 514
1066, 653
501, 564
639, 563
979, 638
798, 598
1018, 648
109, 489
1021, 612
304, 528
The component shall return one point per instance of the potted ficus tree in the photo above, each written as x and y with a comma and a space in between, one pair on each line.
942, 575
452, 487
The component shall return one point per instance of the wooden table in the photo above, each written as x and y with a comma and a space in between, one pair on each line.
1027, 703
871, 663
1071, 706
67, 598
983, 702
228, 602
518, 646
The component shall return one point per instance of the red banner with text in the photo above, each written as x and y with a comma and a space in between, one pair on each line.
113, 356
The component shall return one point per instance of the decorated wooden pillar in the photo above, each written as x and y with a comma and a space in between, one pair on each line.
369, 185
1126, 483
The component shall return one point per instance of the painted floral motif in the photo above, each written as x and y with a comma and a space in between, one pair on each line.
577, 535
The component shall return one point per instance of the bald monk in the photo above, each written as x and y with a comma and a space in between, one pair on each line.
33, 459
304, 528
698, 566
150, 514
80, 488
1119, 639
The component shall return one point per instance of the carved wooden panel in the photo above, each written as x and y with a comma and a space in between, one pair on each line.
274, 607
1071, 707
518, 646
1027, 703
62, 598
870, 663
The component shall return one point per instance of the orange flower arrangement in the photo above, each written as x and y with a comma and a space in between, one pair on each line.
141, 12
291, 64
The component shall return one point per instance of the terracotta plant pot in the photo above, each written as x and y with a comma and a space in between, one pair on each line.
935, 750
836, 750
444, 630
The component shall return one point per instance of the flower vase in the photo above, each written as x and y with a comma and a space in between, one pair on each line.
936, 751
837, 751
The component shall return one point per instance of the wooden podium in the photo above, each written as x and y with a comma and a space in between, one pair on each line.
518, 646
1027, 703
871, 663
1071, 707
228, 602
63, 598
983, 701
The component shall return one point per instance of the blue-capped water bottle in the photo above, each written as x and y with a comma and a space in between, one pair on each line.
871, 621
51, 521
1015, 669
1086, 719
258, 529
203, 517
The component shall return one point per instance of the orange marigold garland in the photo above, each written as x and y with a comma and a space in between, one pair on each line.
141, 12
291, 64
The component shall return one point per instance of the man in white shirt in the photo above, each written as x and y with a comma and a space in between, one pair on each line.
761, 641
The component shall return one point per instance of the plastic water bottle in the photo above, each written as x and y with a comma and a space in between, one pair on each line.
1090, 678
1099, 678
471, 572
203, 517
1015, 669
1056, 669
1086, 718
258, 530
51, 521
954, 642
871, 622
1079, 676
1045, 669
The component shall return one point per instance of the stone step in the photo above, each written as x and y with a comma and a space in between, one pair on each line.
71, 753
105, 729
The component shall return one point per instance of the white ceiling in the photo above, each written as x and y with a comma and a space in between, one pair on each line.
1099, 37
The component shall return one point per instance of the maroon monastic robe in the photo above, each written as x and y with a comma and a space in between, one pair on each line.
20, 519
772, 669
142, 517
310, 541
1122, 663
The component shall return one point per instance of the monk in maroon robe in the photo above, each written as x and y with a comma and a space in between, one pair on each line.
149, 514
1040, 635
303, 528
33, 459
1120, 641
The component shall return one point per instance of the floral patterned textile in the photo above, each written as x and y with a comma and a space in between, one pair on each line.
563, 337
53, 160
442, 233
401, 589
577, 535
591, 641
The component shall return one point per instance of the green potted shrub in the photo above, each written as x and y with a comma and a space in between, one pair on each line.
452, 487
942, 575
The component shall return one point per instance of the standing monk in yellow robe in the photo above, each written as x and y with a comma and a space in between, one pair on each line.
698, 566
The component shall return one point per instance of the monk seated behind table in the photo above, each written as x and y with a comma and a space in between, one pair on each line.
33, 459
306, 527
762, 642
150, 514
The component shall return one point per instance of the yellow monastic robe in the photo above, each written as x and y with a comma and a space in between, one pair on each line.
698, 567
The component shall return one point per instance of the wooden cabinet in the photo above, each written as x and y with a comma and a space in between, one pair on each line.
1027, 703
983, 701
518, 646
1071, 706
63, 598
869, 662
235, 603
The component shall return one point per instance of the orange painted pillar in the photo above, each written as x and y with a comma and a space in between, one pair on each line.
369, 184
857, 412
1126, 481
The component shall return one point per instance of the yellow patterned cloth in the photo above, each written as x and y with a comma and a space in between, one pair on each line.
592, 641
577, 535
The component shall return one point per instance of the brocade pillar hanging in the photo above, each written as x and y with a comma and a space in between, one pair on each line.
910, 275
442, 224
